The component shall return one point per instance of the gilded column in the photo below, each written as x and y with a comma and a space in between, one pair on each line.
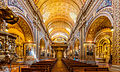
82, 43
68, 51
46, 47
73, 50
50, 50
116, 32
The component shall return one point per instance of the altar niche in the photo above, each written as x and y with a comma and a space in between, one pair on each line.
29, 51
100, 31
89, 51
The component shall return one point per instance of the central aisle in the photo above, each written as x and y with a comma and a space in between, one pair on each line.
59, 67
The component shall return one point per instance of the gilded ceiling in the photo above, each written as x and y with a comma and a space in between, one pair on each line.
59, 16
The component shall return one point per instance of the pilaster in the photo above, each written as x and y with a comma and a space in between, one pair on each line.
116, 32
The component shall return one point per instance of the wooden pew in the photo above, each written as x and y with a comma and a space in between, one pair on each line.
34, 69
48, 67
90, 69
71, 65
96, 69
41, 66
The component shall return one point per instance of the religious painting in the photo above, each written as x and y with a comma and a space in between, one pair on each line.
29, 51
90, 50
0, 45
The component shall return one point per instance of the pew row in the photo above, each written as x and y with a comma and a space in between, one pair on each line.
76, 66
41, 66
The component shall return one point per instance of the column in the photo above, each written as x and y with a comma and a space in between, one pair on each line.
36, 40
67, 51
50, 51
56, 53
99, 51
80, 44
73, 50
116, 32
46, 47
45, 53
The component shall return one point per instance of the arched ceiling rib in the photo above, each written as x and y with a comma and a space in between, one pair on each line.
59, 16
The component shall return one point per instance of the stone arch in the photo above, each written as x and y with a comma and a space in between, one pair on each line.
26, 29
106, 14
103, 42
23, 27
100, 33
100, 22
22, 17
28, 26
23, 33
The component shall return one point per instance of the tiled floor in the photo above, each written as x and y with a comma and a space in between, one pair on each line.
59, 67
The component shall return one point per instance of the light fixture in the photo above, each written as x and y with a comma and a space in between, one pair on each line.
112, 30
28, 40
6, 30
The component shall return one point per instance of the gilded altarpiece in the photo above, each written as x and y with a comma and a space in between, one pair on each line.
89, 51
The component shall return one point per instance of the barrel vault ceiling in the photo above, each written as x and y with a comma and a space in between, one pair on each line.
59, 17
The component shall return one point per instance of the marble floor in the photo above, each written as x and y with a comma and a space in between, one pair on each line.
59, 67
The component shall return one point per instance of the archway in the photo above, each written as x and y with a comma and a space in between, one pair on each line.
42, 48
23, 34
99, 36
104, 45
